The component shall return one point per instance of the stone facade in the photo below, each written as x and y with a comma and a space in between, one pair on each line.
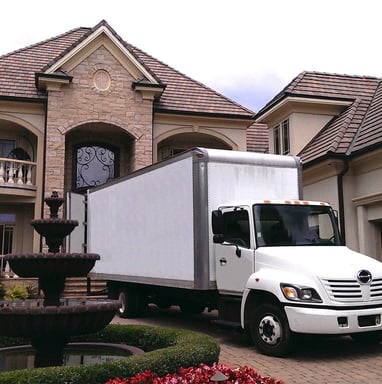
82, 104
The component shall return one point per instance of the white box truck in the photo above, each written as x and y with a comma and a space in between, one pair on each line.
228, 231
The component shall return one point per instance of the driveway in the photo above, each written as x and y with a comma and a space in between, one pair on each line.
317, 360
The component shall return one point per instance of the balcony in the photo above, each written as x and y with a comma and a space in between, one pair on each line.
17, 175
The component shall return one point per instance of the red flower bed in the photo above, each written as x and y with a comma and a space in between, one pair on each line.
201, 375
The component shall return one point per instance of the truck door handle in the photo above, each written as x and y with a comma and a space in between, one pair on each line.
223, 262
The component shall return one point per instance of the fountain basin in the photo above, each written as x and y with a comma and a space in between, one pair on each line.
23, 356
54, 230
29, 318
55, 227
51, 264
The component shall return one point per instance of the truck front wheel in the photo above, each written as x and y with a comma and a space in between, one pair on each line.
270, 330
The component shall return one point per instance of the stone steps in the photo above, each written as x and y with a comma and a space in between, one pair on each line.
76, 287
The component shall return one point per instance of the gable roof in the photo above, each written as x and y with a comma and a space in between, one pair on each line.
181, 95
356, 129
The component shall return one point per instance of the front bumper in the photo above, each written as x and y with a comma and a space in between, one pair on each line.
331, 321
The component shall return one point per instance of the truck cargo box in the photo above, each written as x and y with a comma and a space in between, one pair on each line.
152, 226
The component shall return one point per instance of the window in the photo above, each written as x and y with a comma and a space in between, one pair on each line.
94, 165
166, 152
236, 227
6, 146
281, 138
289, 225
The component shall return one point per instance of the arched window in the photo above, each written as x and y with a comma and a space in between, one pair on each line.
94, 165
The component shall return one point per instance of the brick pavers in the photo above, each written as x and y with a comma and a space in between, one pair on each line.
317, 360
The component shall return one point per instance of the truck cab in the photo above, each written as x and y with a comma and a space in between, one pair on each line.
296, 276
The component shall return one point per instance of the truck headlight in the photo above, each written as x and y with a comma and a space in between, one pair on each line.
300, 293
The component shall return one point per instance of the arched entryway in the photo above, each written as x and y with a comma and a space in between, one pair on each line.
96, 153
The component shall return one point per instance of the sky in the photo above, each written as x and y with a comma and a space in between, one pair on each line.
247, 50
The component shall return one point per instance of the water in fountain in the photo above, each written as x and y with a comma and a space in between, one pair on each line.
49, 323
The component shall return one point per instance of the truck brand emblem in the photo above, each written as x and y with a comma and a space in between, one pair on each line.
364, 276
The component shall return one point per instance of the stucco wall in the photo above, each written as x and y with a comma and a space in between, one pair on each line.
324, 190
303, 127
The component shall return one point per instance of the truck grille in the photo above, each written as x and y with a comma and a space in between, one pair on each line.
351, 290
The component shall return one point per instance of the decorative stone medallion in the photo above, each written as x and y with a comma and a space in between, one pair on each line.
102, 80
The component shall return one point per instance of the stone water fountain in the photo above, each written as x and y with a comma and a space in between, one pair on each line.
51, 321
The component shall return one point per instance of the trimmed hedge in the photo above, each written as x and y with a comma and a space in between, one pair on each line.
166, 351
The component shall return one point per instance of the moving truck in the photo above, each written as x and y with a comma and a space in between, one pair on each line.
228, 231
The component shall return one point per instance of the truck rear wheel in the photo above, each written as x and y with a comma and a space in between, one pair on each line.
133, 304
270, 330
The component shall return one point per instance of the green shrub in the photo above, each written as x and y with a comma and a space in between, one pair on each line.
32, 290
166, 350
16, 292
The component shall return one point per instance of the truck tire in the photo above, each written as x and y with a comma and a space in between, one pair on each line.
270, 330
128, 301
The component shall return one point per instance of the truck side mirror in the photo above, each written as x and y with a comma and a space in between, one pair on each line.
217, 222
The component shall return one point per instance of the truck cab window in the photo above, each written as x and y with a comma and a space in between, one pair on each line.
236, 228
283, 225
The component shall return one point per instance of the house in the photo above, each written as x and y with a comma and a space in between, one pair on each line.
334, 123
85, 107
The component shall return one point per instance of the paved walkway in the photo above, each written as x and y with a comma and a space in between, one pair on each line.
317, 361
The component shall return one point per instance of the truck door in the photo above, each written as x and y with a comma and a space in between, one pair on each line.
234, 257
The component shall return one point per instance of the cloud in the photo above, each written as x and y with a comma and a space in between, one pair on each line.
252, 90
246, 50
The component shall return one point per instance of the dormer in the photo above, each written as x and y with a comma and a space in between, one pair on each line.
294, 121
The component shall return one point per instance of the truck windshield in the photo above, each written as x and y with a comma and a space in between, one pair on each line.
287, 225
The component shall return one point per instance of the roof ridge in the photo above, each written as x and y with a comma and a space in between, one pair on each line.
326, 74
360, 126
348, 117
